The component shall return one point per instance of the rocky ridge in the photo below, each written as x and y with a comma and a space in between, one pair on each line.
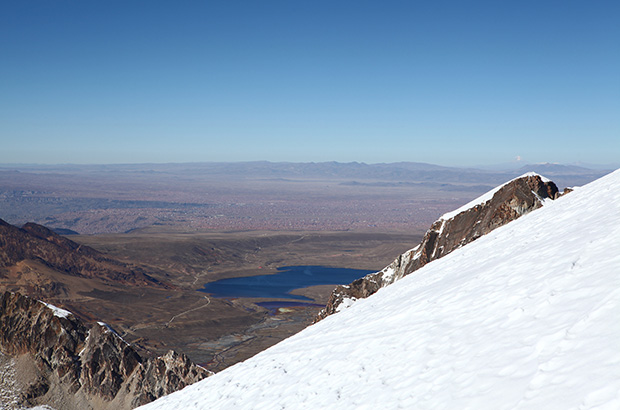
452, 231
38, 243
84, 368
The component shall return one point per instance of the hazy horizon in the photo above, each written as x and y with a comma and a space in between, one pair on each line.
450, 83
510, 165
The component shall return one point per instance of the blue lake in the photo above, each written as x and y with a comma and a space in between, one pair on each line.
278, 285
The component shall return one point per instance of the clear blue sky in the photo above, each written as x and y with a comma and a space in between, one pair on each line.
447, 82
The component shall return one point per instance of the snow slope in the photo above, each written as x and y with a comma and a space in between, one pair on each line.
526, 317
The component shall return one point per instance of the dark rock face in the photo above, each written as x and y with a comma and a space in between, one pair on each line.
94, 368
36, 242
164, 375
454, 230
107, 362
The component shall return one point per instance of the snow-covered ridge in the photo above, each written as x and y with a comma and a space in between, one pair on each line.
58, 312
525, 317
487, 196
107, 328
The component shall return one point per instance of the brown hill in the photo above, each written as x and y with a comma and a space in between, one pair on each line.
36, 243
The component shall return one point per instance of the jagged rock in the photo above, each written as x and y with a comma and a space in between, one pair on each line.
107, 362
86, 368
453, 230
164, 375
28, 326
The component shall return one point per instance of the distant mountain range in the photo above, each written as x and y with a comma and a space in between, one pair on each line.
91, 199
557, 169
406, 171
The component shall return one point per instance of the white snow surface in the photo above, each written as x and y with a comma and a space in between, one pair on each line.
58, 312
346, 303
486, 197
526, 317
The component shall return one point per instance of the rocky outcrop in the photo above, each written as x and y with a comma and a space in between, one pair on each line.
36, 242
163, 375
80, 367
452, 231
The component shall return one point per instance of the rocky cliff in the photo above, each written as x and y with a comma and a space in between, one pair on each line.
76, 367
453, 230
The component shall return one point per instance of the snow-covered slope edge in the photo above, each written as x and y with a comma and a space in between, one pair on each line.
525, 317
451, 231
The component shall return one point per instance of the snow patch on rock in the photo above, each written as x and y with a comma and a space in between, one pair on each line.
107, 328
58, 312
346, 303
